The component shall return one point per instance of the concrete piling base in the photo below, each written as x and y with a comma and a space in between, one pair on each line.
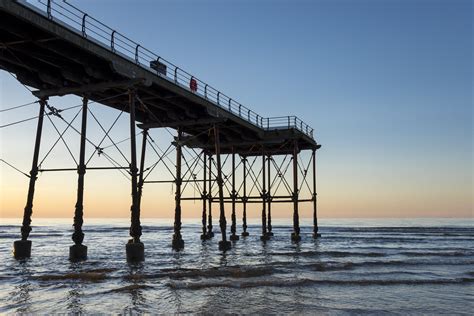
264, 237
295, 237
224, 245
317, 235
77, 253
22, 249
135, 251
270, 234
234, 237
210, 234
177, 243
205, 237
245, 234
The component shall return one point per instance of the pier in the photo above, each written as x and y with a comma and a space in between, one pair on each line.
58, 50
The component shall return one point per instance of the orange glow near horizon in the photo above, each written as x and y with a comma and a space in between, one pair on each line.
55, 198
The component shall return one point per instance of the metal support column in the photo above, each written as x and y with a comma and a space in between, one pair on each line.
22, 248
178, 242
78, 251
224, 244
315, 211
264, 201
204, 235
269, 197
134, 248
244, 198
295, 236
210, 233
233, 237
142, 168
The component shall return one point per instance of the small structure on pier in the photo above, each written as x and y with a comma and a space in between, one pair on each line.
44, 49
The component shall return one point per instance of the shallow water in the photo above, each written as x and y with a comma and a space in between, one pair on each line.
358, 266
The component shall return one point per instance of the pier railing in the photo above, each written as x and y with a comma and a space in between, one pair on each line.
88, 27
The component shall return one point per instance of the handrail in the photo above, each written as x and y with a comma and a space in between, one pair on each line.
112, 44
137, 61
84, 25
121, 45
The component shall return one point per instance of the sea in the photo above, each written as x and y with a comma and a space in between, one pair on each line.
358, 266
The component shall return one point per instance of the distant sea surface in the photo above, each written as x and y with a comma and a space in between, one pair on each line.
414, 266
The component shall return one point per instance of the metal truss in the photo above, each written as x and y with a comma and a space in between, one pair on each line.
260, 176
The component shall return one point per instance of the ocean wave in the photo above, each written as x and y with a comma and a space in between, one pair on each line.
82, 276
405, 229
156, 228
396, 239
104, 229
129, 288
33, 236
308, 282
101, 229
10, 236
230, 272
435, 253
237, 284
410, 263
330, 266
102, 270
346, 266
329, 253
403, 248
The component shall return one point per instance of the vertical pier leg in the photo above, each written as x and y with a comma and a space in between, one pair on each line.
233, 237
22, 248
269, 197
142, 168
134, 248
295, 236
204, 235
315, 210
78, 251
224, 244
264, 201
244, 199
178, 242
210, 233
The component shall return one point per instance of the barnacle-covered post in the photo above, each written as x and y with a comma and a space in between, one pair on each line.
22, 248
264, 201
315, 195
210, 233
295, 235
244, 198
204, 234
78, 251
178, 242
233, 237
134, 248
224, 244
269, 197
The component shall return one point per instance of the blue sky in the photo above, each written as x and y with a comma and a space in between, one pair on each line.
397, 72
387, 85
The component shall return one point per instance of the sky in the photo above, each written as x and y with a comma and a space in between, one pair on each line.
387, 86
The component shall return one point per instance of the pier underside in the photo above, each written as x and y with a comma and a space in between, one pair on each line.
58, 61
